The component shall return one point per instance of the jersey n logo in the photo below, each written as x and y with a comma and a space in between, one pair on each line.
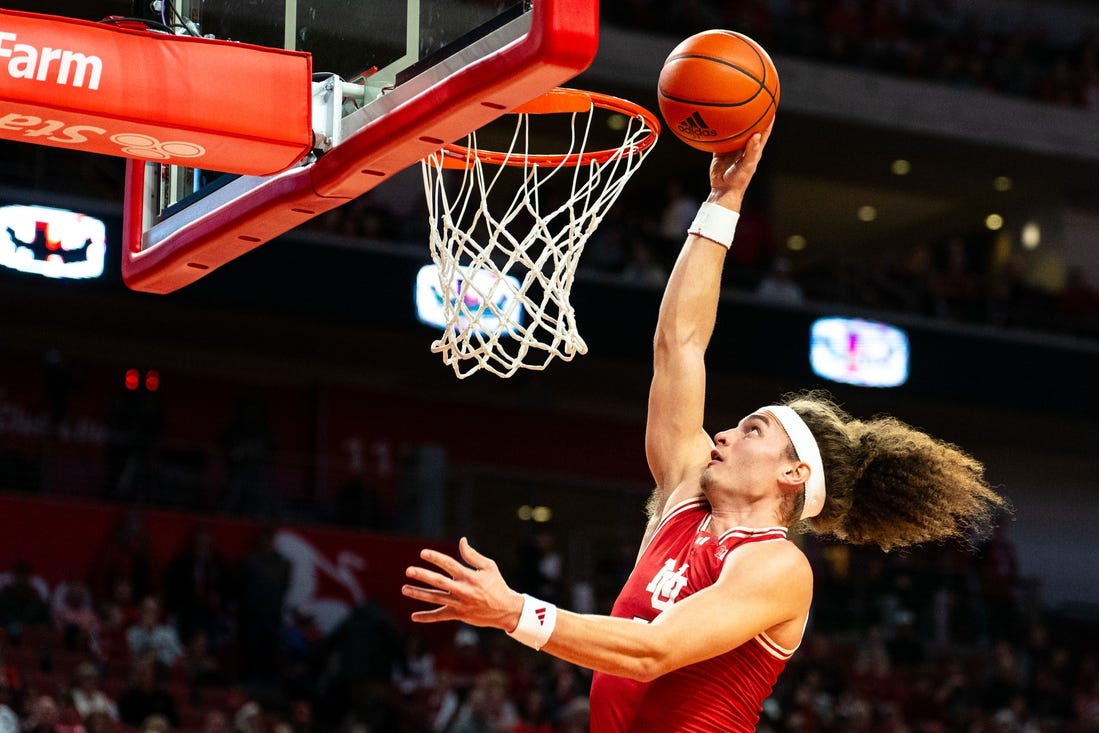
666, 585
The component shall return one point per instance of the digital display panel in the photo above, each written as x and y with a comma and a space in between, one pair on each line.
477, 299
859, 352
54, 243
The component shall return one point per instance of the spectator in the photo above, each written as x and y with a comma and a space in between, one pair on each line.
86, 694
69, 719
576, 717
43, 716
606, 249
1003, 679
463, 660
779, 285
416, 673
100, 722
117, 613
75, 617
135, 423
250, 447
200, 667
9, 721
1079, 300
151, 636
156, 724
196, 588
360, 656
643, 267
11, 680
953, 285
301, 717
488, 709
999, 582
905, 284
264, 577
145, 697
21, 603
566, 682
215, 721
1087, 705
123, 557
678, 213
248, 718
1009, 297
440, 705
540, 567
535, 713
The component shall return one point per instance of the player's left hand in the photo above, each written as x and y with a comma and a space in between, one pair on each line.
473, 591
730, 173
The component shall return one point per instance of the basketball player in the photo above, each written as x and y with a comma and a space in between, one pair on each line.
719, 597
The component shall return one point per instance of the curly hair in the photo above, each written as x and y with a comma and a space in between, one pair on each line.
890, 484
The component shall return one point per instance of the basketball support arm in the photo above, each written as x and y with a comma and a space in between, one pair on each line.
549, 46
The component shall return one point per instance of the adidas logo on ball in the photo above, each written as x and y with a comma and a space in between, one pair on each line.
695, 125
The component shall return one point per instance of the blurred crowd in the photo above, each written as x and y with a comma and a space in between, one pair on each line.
933, 40
936, 639
970, 278
967, 277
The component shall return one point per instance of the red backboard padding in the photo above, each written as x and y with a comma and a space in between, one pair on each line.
195, 102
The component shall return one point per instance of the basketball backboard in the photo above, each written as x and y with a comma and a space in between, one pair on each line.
393, 80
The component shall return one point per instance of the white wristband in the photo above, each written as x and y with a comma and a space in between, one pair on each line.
536, 622
716, 223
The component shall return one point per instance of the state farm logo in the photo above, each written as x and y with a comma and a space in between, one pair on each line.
66, 67
137, 145
46, 64
130, 144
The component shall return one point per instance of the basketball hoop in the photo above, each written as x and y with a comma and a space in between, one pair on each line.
505, 277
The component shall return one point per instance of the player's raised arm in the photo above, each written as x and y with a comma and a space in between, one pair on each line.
676, 444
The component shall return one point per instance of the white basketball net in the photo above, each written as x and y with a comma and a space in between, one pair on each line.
504, 278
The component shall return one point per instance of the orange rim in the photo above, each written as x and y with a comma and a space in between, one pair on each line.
560, 101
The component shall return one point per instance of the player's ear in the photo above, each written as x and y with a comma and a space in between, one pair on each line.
796, 473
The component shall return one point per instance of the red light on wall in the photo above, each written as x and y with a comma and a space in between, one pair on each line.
133, 379
152, 380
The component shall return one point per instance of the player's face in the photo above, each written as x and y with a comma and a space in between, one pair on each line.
752, 455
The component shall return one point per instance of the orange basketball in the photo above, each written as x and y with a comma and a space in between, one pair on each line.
717, 89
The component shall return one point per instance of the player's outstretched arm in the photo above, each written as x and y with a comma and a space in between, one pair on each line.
676, 445
763, 586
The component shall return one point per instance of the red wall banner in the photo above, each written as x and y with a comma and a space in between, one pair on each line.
194, 102
331, 569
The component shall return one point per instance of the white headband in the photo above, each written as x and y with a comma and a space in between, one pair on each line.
805, 445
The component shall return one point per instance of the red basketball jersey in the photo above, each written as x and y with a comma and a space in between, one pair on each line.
724, 693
